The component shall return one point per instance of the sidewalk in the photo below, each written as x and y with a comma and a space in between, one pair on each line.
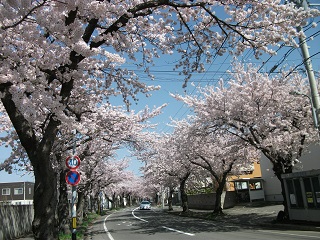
250, 215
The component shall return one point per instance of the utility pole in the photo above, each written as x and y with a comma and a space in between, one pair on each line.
308, 65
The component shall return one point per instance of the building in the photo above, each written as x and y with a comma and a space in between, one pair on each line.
17, 193
249, 186
303, 195
272, 187
302, 186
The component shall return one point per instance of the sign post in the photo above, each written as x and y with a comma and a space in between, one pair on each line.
73, 178
74, 213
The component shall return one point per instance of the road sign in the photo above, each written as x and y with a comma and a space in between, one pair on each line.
73, 178
73, 162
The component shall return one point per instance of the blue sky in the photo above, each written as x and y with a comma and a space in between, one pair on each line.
171, 82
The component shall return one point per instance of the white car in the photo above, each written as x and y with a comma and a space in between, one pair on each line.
145, 205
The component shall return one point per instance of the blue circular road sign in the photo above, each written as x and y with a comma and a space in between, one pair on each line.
73, 178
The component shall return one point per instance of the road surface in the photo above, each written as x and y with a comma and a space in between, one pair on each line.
134, 224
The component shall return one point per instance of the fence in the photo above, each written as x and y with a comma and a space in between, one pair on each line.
16, 221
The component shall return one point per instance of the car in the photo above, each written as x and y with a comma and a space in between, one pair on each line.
145, 205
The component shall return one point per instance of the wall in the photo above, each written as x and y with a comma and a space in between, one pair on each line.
16, 221
308, 161
207, 201
272, 187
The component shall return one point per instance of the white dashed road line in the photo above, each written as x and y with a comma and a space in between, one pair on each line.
171, 229
290, 234
178, 231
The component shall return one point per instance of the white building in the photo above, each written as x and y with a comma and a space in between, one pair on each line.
309, 161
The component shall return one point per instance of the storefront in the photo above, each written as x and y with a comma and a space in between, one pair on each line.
303, 195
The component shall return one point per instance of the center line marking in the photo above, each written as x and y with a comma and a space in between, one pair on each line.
178, 231
141, 219
171, 229
106, 229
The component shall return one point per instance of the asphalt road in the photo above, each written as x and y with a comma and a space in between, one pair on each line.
134, 224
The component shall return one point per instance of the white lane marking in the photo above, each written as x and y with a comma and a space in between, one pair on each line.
171, 229
178, 231
106, 229
141, 219
290, 234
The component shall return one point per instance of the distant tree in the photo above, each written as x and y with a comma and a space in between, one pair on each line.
259, 110
62, 59
166, 165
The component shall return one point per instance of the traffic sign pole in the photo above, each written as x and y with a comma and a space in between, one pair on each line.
74, 213
72, 165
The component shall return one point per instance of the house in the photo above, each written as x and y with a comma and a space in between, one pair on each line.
249, 185
17, 193
245, 187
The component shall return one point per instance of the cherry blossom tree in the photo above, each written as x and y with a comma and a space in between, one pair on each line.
261, 111
61, 59
218, 152
167, 163
215, 151
107, 129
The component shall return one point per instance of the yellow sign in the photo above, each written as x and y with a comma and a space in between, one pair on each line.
309, 197
74, 222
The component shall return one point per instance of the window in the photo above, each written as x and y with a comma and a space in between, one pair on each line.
18, 191
29, 190
6, 191
316, 189
255, 186
298, 192
241, 185
295, 194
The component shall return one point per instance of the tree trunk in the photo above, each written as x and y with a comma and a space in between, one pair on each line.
217, 204
86, 207
80, 207
122, 198
277, 168
115, 201
63, 205
129, 200
170, 207
184, 196
92, 204
45, 223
